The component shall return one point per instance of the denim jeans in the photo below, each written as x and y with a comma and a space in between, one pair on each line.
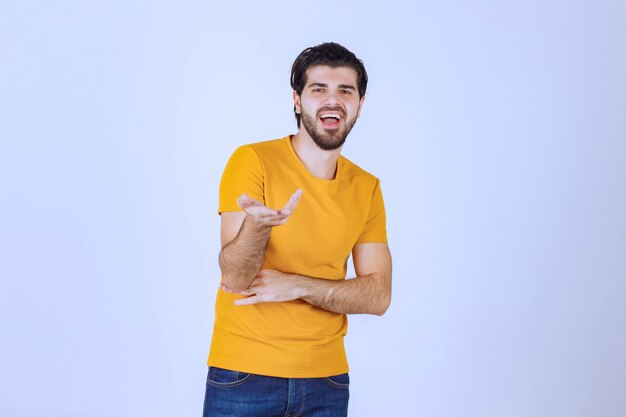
239, 394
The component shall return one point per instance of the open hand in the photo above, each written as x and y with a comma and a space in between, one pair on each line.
267, 216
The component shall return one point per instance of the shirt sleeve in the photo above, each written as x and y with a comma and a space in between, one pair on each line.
375, 230
243, 174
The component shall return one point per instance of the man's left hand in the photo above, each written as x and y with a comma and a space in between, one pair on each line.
269, 286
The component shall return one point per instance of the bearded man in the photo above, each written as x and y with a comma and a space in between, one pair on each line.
280, 316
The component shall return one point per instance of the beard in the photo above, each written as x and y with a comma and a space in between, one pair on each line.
326, 139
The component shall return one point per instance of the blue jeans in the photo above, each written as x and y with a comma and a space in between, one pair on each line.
239, 394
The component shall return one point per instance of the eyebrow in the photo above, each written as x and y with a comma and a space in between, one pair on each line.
342, 86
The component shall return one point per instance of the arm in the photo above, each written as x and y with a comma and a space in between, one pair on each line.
241, 257
244, 237
369, 292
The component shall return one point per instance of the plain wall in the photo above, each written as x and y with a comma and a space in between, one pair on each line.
497, 130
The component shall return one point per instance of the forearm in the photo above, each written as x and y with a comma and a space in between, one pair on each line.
368, 294
241, 259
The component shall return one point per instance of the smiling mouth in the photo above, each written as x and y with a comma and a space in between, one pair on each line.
331, 119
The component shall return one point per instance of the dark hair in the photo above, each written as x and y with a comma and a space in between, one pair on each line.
331, 54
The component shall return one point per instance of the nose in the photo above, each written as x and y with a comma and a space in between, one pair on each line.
331, 99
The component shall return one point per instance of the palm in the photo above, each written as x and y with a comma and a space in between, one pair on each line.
266, 215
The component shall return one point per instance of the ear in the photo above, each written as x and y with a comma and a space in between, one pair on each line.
296, 102
361, 101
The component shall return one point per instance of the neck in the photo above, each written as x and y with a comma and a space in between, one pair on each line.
320, 163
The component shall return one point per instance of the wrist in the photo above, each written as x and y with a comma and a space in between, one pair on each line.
314, 290
302, 286
256, 224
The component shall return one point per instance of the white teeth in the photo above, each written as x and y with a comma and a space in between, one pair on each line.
327, 115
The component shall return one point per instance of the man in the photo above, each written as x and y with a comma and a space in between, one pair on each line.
280, 319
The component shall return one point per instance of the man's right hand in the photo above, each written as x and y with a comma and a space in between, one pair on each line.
245, 236
265, 216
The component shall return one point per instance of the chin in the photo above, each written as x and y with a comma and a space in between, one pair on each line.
328, 145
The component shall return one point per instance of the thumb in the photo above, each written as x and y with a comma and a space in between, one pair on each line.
243, 200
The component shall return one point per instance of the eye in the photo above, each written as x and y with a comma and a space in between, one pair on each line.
346, 91
318, 90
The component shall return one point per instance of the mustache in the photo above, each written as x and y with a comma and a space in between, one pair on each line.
335, 109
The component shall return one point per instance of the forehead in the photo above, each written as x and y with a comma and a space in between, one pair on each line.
329, 75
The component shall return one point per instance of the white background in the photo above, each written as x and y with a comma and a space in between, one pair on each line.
497, 130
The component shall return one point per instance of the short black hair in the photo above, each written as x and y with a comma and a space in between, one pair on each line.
331, 54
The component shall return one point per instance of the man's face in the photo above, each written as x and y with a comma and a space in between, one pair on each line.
329, 104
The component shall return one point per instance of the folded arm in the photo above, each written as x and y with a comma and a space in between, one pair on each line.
368, 293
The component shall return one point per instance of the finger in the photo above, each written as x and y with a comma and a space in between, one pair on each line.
278, 221
284, 213
260, 211
245, 200
250, 300
293, 202
269, 218
277, 217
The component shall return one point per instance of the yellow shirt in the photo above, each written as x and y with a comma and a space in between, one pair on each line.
295, 339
